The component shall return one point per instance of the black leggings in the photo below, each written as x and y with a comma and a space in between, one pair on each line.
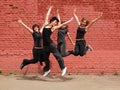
62, 49
52, 49
80, 48
38, 55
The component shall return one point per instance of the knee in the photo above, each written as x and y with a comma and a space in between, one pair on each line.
63, 54
82, 54
76, 53
58, 57
35, 61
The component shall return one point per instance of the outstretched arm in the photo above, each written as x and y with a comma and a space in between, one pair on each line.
46, 19
93, 21
76, 17
58, 15
56, 27
68, 34
47, 15
29, 29
41, 29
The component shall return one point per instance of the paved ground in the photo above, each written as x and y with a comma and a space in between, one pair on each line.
56, 82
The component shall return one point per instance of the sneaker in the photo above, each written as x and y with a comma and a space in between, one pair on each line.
46, 73
90, 48
64, 71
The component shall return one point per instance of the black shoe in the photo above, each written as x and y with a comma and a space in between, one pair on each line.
22, 64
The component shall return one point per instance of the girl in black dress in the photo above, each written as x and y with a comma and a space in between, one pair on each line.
83, 26
49, 46
38, 52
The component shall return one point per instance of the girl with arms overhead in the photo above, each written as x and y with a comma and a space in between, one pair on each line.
80, 46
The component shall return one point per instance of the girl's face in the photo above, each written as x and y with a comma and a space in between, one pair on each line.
36, 29
84, 23
54, 23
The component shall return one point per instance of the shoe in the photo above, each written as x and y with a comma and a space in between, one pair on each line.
64, 71
46, 73
22, 64
90, 48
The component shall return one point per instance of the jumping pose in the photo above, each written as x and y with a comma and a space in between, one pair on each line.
62, 32
38, 52
49, 46
83, 26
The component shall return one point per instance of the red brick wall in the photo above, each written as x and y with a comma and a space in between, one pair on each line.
104, 36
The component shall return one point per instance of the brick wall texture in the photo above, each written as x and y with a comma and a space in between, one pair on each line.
16, 42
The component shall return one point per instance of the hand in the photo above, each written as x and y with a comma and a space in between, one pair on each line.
74, 11
51, 7
101, 14
74, 44
57, 11
20, 21
71, 19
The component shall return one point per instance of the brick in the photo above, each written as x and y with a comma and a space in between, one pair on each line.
16, 42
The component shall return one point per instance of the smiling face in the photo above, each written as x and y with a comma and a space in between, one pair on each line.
35, 28
54, 23
84, 22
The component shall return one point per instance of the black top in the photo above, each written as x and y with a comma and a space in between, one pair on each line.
46, 36
80, 33
61, 35
37, 37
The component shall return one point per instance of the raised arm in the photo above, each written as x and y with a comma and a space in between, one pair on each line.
56, 27
47, 15
46, 18
58, 15
69, 37
29, 29
93, 21
41, 29
76, 17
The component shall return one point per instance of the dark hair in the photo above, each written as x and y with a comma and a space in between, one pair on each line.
53, 19
35, 25
87, 22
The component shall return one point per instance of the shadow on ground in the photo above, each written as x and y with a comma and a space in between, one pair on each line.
49, 78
